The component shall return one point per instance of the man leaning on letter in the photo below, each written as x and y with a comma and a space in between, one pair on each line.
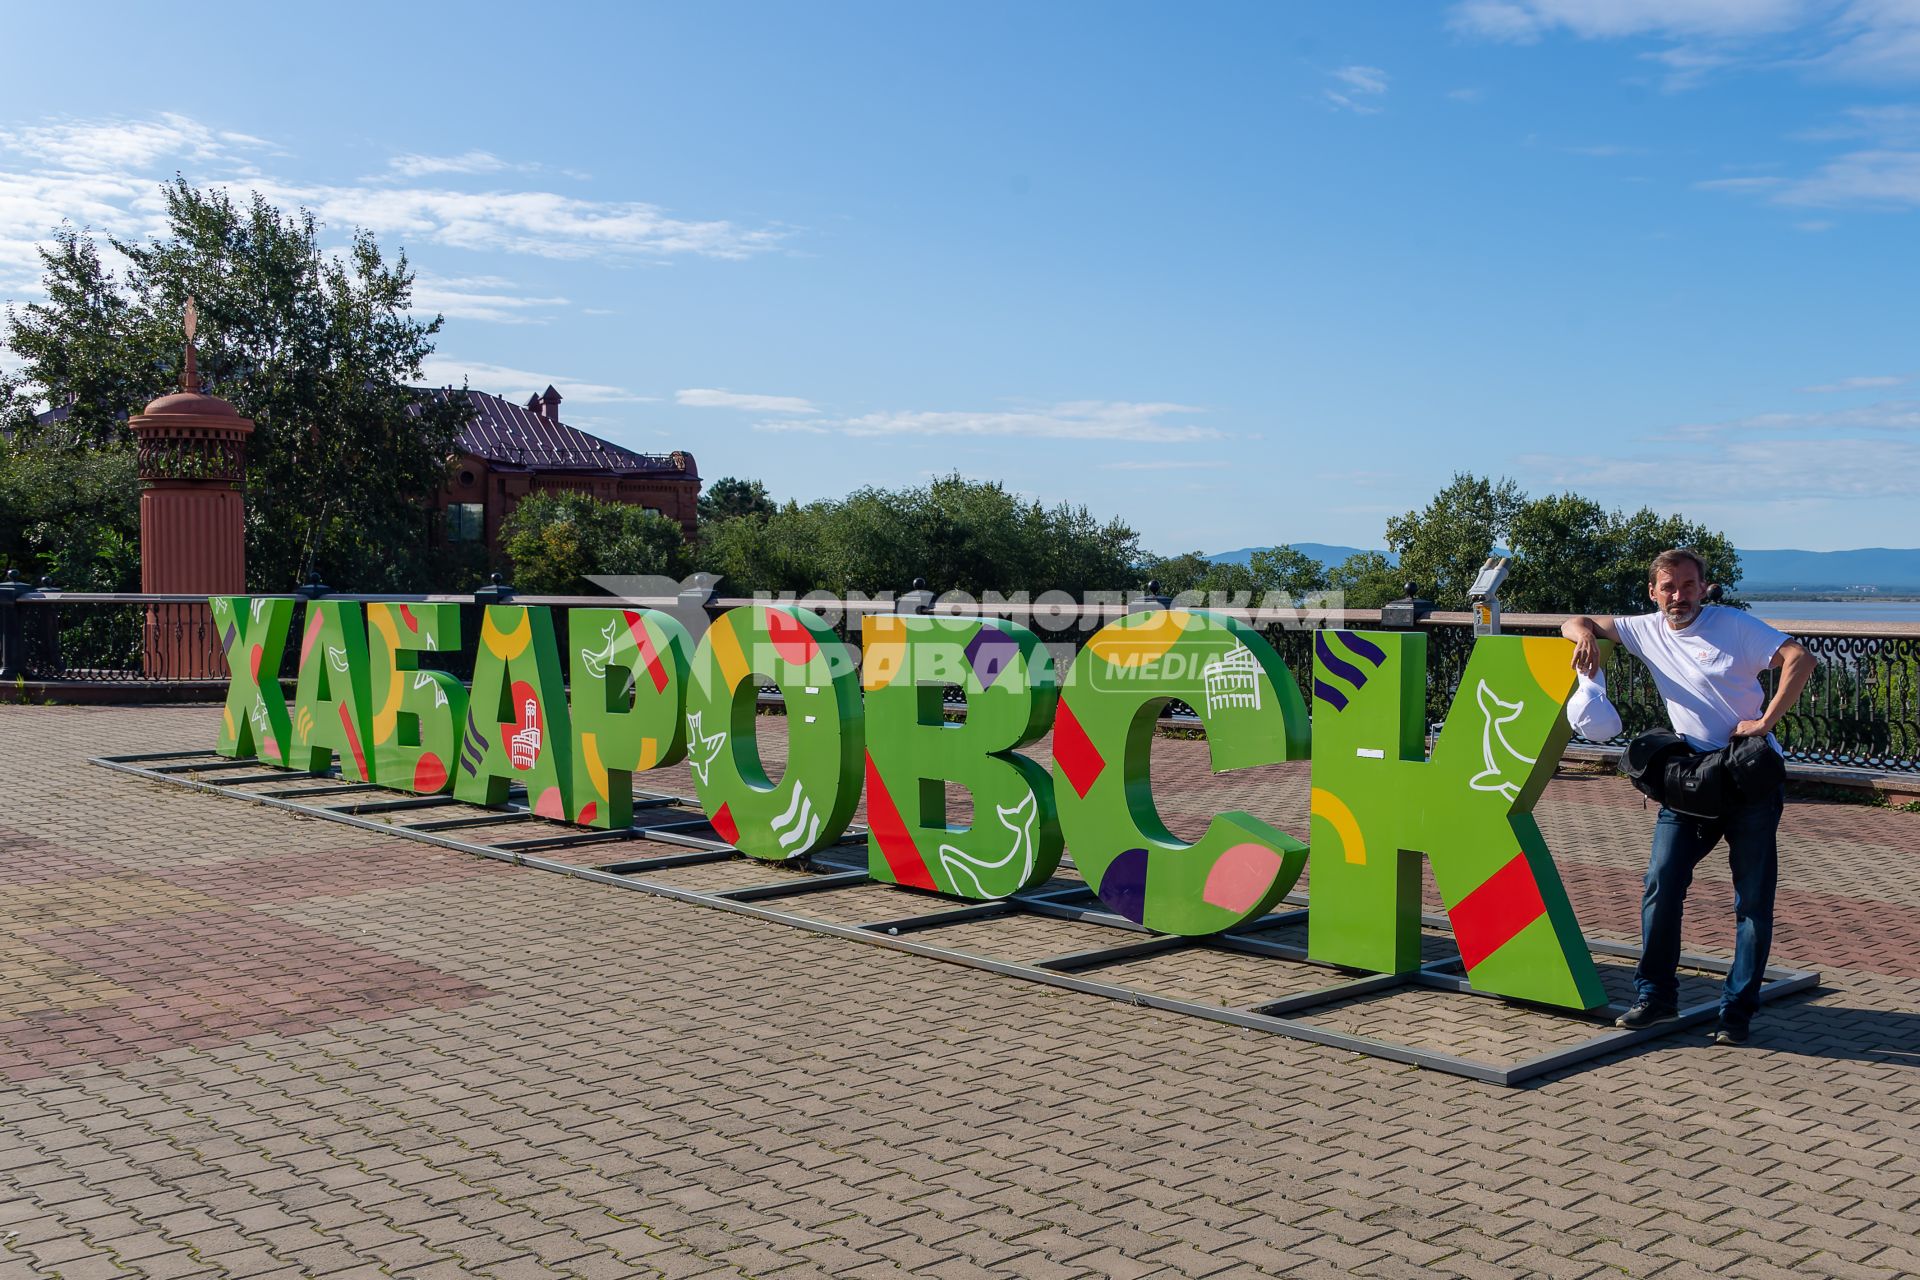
1706, 663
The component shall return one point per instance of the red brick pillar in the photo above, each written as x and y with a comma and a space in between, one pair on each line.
193, 466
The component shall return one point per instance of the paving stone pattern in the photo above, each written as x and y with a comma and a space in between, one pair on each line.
235, 1042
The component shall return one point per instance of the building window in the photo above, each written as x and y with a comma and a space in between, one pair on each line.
466, 522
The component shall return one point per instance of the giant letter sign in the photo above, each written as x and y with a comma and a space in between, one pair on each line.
810, 806
1377, 799
629, 680
332, 711
1252, 713
1007, 675
253, 634
417, 715
517, 726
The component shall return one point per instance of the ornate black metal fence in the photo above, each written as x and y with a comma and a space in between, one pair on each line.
1861, 709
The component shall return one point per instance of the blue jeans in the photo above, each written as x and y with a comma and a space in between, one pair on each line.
1679, 843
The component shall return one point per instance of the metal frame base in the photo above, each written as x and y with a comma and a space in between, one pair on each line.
674, 820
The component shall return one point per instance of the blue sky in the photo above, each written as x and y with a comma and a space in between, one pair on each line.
1240, 273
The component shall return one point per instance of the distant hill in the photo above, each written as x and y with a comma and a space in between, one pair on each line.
1325, 553
1874, 569
1870, 568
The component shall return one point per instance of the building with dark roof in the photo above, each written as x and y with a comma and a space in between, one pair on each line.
507, 451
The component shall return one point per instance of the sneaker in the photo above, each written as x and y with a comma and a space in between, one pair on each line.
1645, 1013
1728, 1033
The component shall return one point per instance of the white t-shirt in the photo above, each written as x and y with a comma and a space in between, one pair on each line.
1708, 672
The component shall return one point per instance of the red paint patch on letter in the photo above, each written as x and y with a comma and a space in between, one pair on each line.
1074, 752
724, 824
1505, 903
790, 640
896, 842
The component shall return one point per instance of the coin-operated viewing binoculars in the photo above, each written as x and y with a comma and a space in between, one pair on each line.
1484, 595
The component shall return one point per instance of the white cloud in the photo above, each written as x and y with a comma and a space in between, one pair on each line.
105, 175
1466, 95
418, 166
1859, 384
1739, 184
1890, 416
1357, 84
1854, 39
98, 146
539, 223
488, 298
790, 427
1605, 150
1769, 470
1166, 464
711, 398
1076, 420
1873, 179
1524, 21
518, 384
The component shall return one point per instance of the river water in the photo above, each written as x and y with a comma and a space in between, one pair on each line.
1837, 610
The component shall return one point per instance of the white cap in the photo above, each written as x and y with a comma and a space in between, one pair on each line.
1589, 712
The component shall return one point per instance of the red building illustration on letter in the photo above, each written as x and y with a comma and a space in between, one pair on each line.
523, 747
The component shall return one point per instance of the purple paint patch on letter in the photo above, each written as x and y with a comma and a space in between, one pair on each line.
991, 651
1124, 887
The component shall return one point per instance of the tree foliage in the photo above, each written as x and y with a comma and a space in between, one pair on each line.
729, 498
70, 514
1269, 573
556, 541
959, 534
316, 348
1570, 554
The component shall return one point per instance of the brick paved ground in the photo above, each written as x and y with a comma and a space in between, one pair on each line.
237, 1042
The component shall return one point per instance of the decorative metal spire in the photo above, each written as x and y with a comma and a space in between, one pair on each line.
190, 376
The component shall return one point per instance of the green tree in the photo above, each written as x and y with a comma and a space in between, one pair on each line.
959, 534
1366, 580
71, 514
1571, 555
316, 348
557, 540
1286, 568
729, 498
1442, 548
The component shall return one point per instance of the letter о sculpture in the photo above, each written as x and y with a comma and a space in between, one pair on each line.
1252, 713
797, 651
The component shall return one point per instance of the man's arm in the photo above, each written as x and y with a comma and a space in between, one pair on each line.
1795, 664
1584, 632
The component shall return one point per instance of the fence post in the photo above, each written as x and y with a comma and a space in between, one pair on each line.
1405, 614
12, 633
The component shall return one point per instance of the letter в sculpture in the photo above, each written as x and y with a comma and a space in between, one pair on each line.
629, 669
333, 713
1252, 712
253, 635
1013, 842
1377, 800
417, 715
517, 724
810, 806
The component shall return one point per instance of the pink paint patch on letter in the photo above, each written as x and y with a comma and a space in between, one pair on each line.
550, 805
1240, 876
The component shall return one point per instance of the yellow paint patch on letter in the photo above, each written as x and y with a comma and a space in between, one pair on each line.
1135, 646
1550, 659
506, 646
1325, 804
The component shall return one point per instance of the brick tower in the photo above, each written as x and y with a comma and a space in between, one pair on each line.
193, 468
